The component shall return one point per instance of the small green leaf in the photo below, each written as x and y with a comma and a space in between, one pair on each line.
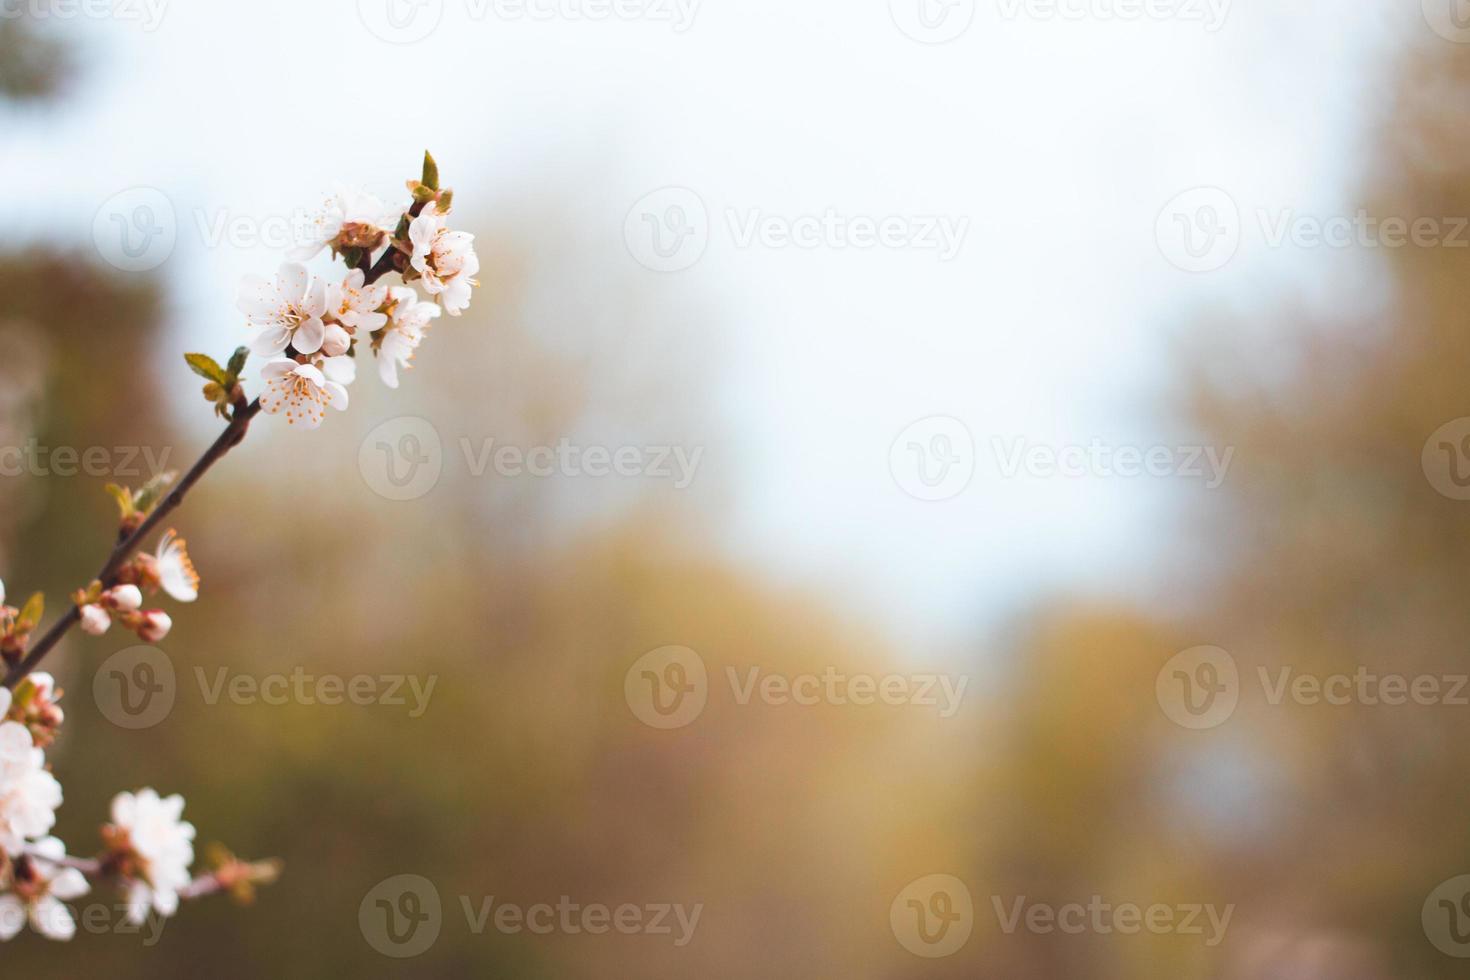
124, 498
237, 361
153, 491
31, 613
446, 201
206, 367
430, 179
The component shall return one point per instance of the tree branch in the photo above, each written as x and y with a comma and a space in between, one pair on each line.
231, 437
228, 439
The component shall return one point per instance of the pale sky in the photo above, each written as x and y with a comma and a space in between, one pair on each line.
1053, 142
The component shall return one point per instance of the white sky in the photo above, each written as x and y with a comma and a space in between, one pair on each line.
1059, 140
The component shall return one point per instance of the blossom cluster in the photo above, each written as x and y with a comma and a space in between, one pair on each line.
148, 846
310, 329
169, 569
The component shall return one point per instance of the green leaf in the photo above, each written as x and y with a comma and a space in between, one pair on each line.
237, 362
206, 367
430, 179
153, 491
31, 613
124, 498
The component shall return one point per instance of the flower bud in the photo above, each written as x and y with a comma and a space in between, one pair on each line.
127, 597
154, 626
95, 620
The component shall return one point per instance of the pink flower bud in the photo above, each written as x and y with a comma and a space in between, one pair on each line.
127, 597
155, 626
95, 620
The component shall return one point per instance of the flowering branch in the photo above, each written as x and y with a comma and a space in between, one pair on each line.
310, 330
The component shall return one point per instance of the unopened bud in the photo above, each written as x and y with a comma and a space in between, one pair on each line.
126, 597
95, 620
154, 626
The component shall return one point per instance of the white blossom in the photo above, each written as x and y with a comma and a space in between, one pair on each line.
344, 207
356, 305
40, 897
287, 310
446, 259
164, 846
303, 391
405, 332
176, 573
29, 795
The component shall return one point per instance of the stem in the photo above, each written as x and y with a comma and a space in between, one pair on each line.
97, 872
231, 437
